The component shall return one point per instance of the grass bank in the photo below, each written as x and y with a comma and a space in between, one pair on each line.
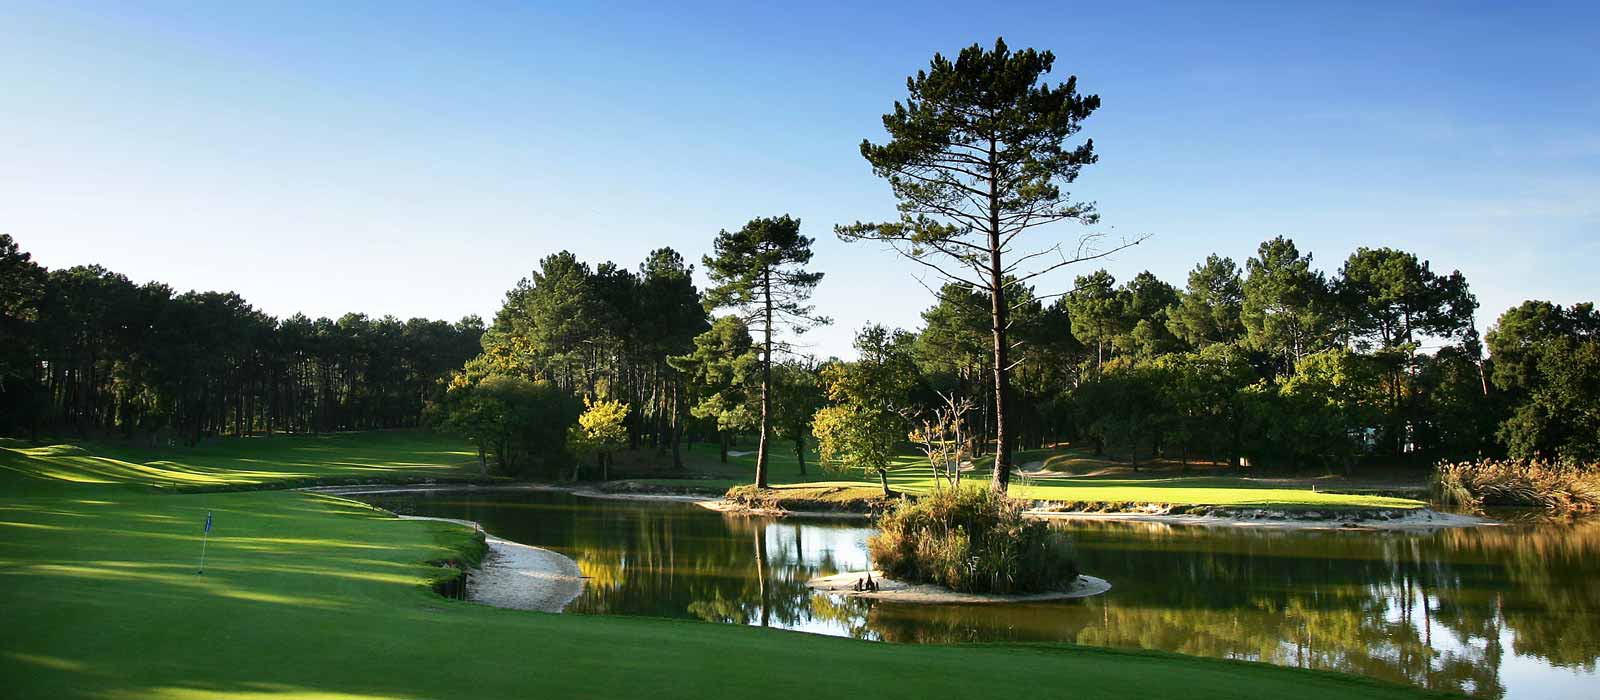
311, 596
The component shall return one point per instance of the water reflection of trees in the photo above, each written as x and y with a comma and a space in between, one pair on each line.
723, 569
772, 590
1428, 609
1438, 609
1551, 604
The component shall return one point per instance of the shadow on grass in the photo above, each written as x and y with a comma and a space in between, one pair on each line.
236, 462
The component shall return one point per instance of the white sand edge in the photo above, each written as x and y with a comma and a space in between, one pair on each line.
893, 591
519, 576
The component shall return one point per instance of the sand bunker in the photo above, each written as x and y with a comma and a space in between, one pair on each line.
519, 576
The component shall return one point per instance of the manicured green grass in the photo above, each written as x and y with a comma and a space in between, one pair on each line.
1209, 491
309, 596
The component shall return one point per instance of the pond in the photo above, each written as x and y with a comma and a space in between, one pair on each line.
1499, 612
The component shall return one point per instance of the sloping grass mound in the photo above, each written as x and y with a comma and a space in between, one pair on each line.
973, 541
1565, 487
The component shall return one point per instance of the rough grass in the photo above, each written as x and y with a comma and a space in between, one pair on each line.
308, 596
1562, 487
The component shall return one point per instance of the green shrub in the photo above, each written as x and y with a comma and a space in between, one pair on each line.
1566, 487
974, 541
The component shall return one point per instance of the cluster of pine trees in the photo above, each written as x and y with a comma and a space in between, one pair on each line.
1282, 364
1271, 362
569, 330
85, 351
1274, 363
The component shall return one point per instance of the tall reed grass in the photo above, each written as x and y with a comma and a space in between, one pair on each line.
1564, 487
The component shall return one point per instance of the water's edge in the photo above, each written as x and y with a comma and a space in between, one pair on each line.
1419, 519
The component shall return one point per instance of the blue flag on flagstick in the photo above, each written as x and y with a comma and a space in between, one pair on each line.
208, 521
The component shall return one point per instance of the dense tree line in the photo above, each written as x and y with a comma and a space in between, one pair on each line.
86, 351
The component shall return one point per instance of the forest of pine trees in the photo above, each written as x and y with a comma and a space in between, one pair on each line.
1268, 363
87, 352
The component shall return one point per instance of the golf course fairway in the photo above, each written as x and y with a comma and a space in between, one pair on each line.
311, 596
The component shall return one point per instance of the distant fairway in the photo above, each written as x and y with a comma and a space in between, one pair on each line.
911, 474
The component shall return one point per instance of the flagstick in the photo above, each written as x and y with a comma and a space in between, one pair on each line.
203, 540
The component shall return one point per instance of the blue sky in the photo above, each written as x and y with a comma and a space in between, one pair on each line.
416, 160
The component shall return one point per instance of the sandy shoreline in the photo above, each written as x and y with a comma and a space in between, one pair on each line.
1421, 519
519, 576
893, 591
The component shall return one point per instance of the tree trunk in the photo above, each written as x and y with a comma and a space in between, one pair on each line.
800, 453
883, 479
766, 382
662, 400
677, 428
1002, 385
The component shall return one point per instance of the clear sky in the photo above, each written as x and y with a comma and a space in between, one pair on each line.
416, 160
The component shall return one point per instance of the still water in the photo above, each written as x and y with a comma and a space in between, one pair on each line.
1499, 612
